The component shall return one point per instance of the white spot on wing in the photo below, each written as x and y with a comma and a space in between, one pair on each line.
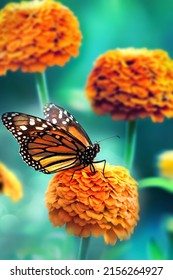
23, 127
39, 120
60, 115
54, 121
39, 128
32, 122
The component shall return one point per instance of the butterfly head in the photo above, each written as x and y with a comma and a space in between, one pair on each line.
96, 148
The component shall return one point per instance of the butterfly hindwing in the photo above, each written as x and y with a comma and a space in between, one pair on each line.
49, 152
60, 117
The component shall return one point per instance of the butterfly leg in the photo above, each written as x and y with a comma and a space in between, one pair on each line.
99, 161
92, 168
76, 170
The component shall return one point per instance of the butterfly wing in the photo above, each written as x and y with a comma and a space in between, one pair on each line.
50, 152
23, 126
44, 146
62, 118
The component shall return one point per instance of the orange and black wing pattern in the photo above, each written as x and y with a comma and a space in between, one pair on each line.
62, 118
46, 145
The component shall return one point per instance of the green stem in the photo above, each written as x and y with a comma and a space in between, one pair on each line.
84, 243
130, 143
158, 182
42, 88
170, 250
169, 230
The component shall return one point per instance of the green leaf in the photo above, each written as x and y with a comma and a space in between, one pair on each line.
155, 252
158, 182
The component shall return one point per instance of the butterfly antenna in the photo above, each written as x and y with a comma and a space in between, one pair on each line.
108, 138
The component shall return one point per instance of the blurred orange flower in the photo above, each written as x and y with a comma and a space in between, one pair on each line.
165, 164
94, 204
131, 83
37, 34
9, 184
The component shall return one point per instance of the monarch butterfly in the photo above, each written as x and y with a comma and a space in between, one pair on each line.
54, 144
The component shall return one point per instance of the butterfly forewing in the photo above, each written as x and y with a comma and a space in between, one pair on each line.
23, 126
60, 117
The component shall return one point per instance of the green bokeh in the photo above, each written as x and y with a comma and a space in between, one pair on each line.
25, 230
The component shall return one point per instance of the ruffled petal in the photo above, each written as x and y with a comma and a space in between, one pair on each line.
97, 206
37, 34
131, 83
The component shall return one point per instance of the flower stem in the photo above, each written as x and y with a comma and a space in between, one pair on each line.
158, 182
42, 88
170, 251
169, 229
130, 143
83, 248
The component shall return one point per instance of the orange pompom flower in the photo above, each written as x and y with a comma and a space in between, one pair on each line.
94, 204
9, 184
131, 83
37, 34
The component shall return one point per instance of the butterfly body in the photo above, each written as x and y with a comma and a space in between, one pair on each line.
56, 143
87, 156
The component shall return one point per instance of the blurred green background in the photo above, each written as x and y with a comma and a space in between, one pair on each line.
25, 230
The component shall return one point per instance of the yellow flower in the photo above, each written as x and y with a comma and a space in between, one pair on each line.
94, 204
37, 34
165, 164
9, 184
131, 83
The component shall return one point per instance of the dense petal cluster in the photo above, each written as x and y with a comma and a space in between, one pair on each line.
9, 184
37, 34
165, 164
131, 83
91, 204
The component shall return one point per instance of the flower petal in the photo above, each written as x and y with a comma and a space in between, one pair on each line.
88, 207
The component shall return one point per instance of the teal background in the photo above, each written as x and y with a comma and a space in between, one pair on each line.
25, 230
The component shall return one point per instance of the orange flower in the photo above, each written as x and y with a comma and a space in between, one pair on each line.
37, 34
131, 83
165, 164
9, 184
94, 204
